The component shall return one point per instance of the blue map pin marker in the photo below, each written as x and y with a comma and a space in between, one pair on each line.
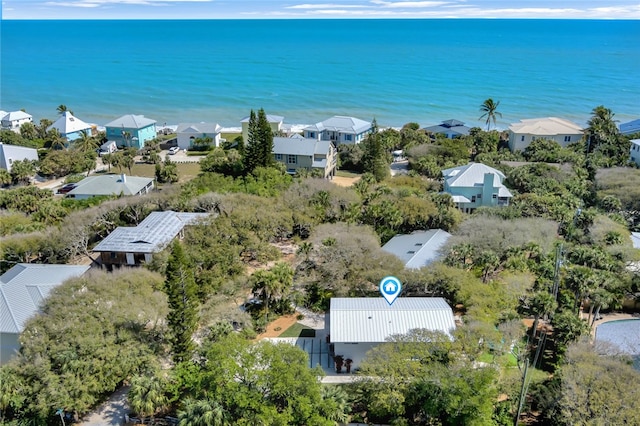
390, 288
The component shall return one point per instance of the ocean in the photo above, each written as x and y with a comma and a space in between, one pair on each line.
396, 71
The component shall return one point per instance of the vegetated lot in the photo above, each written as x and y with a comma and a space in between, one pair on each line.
186, 171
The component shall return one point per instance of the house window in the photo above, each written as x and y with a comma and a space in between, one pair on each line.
473, 198
495, 196
292, 159
348, 137
278, 157
567, 138
522, 138
114, 254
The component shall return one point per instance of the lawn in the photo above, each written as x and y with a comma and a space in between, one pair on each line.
298, 330
347, 174
186, 171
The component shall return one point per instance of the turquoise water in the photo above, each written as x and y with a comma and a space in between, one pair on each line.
306, 70
624, 334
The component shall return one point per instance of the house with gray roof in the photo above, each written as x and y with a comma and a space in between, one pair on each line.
634, 151
303, 153
14, 119
11, 153
450, 128
556, 129
187, 133
418, 249
131, 130
23, 289
630, 127
275, 121
475, 185
135, 245
339, 129
100, 185
359, 324
70, 127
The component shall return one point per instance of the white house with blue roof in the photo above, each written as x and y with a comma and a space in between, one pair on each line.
23, 289
475, 185
70, 127
418, 249
131, 130
339, 129
304, 153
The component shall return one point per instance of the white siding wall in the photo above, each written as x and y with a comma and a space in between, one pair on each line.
9, 346
356, 351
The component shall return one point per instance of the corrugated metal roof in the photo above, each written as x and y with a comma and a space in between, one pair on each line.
372, 319
111, 185
471, 174
297, 146
151, 235
25, 286
419, 248
342, 124
270, 118
16, 115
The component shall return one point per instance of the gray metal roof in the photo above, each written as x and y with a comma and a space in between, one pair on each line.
67, 123
419, 248
298, 146
111, 185
270, 118
152, 234
198, 128
16, 115
131, 121
471, 175
342, 124
372, 319
24, 287
449, 126
630, 127
15, 153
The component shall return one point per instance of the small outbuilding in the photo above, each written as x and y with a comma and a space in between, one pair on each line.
359, 324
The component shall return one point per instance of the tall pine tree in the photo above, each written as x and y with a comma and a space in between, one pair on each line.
251, 151
266, 140
181, 290
259, 147
374, 158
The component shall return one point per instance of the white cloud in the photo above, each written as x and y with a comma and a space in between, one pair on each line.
323, 6
409, 4
99, 3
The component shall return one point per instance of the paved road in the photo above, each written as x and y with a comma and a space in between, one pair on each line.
110, 413
399, 167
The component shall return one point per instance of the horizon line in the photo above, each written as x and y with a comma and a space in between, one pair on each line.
321, 18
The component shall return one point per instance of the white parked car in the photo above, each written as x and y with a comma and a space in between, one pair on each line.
174, 150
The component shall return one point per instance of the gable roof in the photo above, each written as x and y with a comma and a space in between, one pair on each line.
471, 174
24, 287
199, 128
67, 123
152, 235
16, 115
419, 248
298, 146
372, 319
15, 153
341, 123
270, 118
449, 126
547, 126
131, 121
630, 127
110, 185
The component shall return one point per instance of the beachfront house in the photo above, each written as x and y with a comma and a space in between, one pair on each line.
359, 324
71, 127
187, 133
135, 245
131, 131
339, 129
557, 129
23, 288
12, 153
275, 121
109, 185
311, 154
634, 151
418, 249
14, 119
450, 128
630, 127
475, 185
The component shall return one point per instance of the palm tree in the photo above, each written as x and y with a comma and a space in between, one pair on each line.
489, 110
62, 109
86, 143
147, 395
335, 405
540, 305
203, 412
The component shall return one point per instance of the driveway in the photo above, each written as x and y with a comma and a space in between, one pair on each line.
110, 413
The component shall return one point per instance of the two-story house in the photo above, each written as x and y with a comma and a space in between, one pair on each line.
553, 128
339, 129
634, 151
131, 130
187, 133
14, 119
475, 185
275, 121
304, 153
70, 127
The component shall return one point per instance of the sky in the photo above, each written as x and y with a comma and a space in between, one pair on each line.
309, 9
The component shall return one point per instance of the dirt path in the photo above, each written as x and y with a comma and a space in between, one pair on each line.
345, 181
281, 324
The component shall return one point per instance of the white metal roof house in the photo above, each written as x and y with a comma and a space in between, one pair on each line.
14, 119
630, 127
359, 324
558, 129
97, 185
131, 130
303, 153
275, 121
475, 185
418, 249
134, 245
23, 288
11, 153
449, 128
634, 151
188, 132
339, 129
70, 127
